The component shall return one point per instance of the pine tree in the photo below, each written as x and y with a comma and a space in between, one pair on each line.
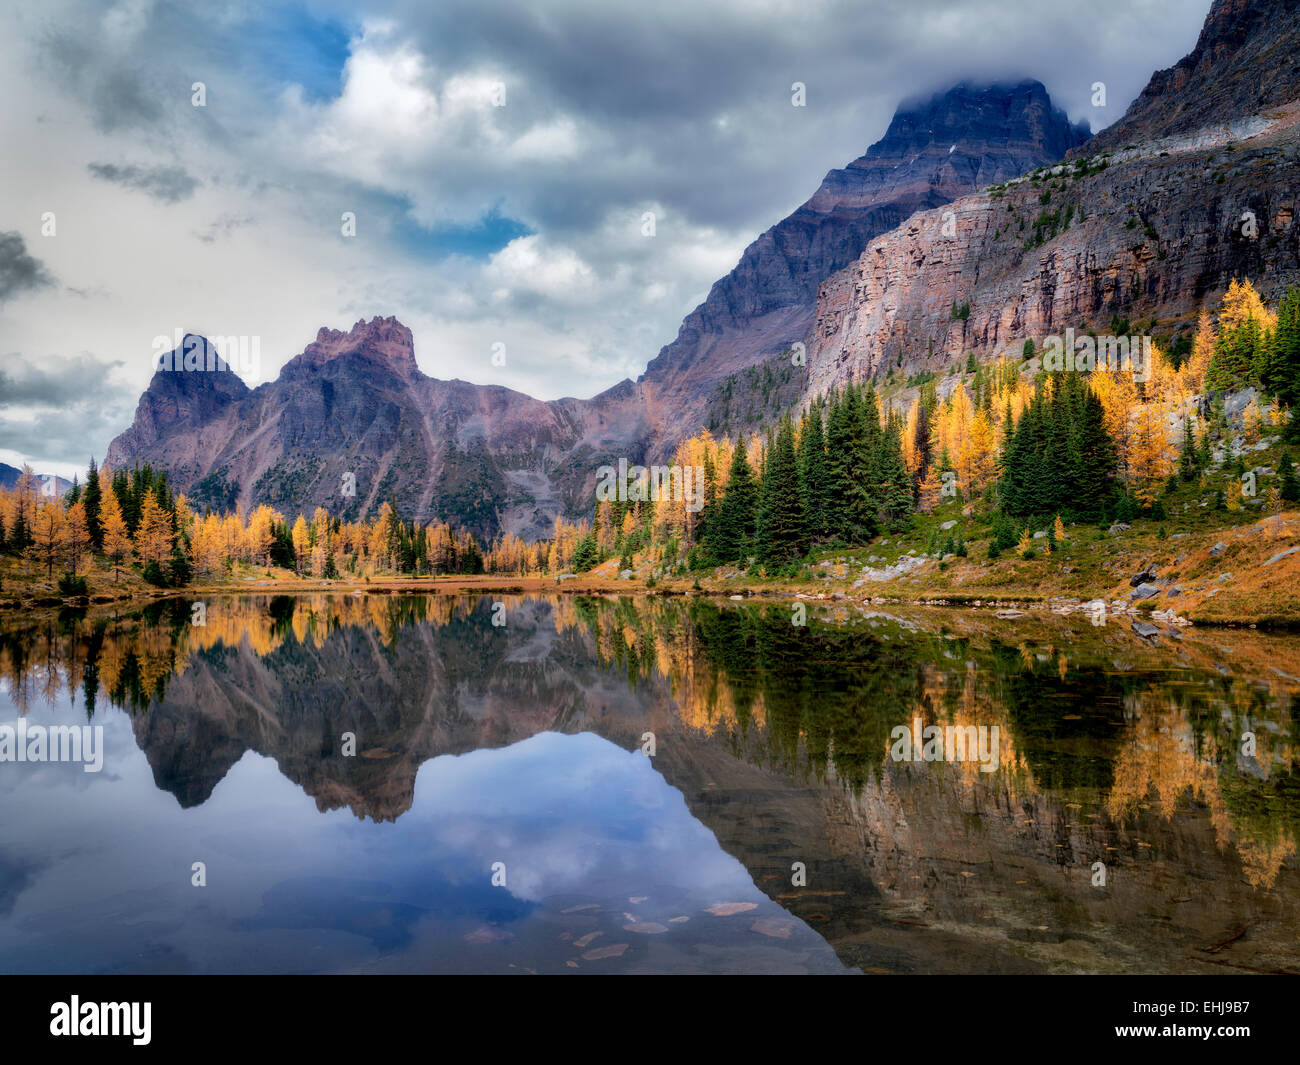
784, 537
1288, 483
762, 544
813, 472
895, 493
1188, 457
92, 497
1281, 375
839, 454
734, 529
862, 488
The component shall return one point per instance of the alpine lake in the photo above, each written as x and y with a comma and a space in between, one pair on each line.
506, 783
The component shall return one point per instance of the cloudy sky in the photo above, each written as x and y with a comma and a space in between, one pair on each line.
480, 220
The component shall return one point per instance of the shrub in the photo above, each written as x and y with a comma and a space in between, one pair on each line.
153, 574
179, 570
71, 585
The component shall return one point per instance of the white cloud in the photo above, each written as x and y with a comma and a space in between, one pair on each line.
683, 111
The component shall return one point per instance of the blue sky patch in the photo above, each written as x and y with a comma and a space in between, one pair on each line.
478, 240
296, 47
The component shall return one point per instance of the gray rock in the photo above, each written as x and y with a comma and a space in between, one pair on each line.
948, 525
1145, 629
1120, 526
1236, 402
1218, 549
1281, 554
1144, 591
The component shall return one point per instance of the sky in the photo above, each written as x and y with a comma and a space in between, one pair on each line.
498, 159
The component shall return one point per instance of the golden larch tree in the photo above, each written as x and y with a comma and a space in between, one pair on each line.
76, 535
117, 540
153, 536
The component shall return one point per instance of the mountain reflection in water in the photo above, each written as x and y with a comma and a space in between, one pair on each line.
769, 831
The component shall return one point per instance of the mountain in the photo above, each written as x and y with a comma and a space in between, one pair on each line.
934, 151
491, 459
1244, 65
349, 423
1147, 221
9, 476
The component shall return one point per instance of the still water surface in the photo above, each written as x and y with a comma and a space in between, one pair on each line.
1142, 815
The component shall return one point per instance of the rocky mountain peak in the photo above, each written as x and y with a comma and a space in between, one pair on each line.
1021, 112
490, 459
936, 149
1245, 63
385, 340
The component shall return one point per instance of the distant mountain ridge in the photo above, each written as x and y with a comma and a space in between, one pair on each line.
9, 477
491, 459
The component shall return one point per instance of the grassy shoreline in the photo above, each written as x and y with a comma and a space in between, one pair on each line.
1219, 577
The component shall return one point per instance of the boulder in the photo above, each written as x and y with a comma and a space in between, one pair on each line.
1281, 554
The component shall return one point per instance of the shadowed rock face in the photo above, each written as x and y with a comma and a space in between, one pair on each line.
932, 153
1160, 236
1244, 63
1157, 233
491, 459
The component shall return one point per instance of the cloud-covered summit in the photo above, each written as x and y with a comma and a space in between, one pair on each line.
498, 160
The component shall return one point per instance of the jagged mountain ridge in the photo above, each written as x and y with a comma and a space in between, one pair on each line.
1161, 231
1245, 63
490, 459
934, 151
11, 475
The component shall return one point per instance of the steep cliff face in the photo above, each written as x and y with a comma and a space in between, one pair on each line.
1244, 64
490, 459
933, 152
1150, 230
